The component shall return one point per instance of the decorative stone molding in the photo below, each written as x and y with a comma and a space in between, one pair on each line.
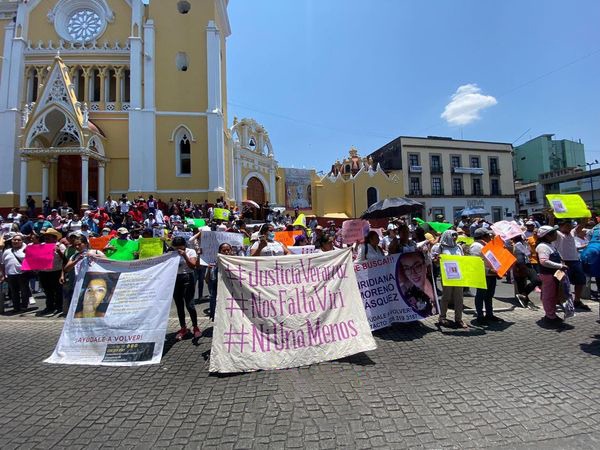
80, 20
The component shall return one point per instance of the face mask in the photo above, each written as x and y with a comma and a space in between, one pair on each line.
270, 236
105, 233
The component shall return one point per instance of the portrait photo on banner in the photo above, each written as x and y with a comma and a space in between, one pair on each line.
414, 278
298, 188
96, 293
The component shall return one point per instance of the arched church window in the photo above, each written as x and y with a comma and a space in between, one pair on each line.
183, 6
184, 155
371, 196
181, 60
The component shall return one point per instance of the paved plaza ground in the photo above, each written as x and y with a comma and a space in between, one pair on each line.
513, 385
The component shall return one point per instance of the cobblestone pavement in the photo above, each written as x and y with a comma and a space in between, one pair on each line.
515, 385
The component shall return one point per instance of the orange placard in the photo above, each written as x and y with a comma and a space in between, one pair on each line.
99, 243
497, 256
287, 237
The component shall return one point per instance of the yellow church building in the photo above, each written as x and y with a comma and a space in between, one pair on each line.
104, 97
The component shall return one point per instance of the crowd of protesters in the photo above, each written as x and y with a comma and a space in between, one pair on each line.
540, 251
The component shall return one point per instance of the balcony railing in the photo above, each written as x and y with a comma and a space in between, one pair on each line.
458, 192
436, 169
468, 170
415, 169
416, 192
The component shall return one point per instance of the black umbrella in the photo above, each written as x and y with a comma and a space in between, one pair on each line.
391, 207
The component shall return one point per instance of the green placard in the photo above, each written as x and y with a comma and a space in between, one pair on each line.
124, 249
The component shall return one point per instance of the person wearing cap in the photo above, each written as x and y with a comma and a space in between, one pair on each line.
127, 252
567, 247
50, 278
484, 297
550, 261
41, 224
529, 229
10, 270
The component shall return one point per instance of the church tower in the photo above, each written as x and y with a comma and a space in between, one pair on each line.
105, 97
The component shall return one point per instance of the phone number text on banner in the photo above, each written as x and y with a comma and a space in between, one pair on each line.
275, 313
396, 288
119, 312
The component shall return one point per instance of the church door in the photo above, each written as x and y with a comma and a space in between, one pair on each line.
69, 180
256, 192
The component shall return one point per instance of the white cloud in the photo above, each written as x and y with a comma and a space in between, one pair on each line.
466, 103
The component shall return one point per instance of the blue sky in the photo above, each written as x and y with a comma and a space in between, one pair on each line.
325, 75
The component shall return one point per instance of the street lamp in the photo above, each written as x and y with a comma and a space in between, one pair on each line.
589, 165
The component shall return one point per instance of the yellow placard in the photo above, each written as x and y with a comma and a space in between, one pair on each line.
568, 206
150, 247
465, 271
465, 240
221, 214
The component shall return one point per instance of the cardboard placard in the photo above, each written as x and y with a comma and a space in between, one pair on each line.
287, 237
465, 271
568, 206
354, 230
38, 257
498, 256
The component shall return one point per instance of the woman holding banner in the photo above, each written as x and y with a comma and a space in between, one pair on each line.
67, 278
450, 294
266, 244
212, 280
185, 285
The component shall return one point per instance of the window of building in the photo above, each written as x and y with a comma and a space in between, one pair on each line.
532, 196
476, 187
496, 213
80, 85
457, 187
436, 164
181, 61
111, 86
32, 87
95, 85
436, 186
455, 161
183, 6
415, 186
494, 167
413, 159
184, 153
371, 196
435, 212
495, 186
475, 161
126, 90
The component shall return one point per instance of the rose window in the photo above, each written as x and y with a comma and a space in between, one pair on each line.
84, 25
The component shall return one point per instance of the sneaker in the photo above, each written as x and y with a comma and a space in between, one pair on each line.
582, 306
197, 332
181, 334
522, 300
45, 312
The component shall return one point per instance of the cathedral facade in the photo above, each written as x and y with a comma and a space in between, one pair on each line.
104, 97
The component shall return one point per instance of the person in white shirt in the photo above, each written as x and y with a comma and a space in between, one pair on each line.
266, 244
550, 262
183, 294
484, 296
370, 249
10, 269
567, 247
14, 216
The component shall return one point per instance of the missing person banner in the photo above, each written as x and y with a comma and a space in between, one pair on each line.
119, 312
396, 288
290, 311
298, 185
302, 250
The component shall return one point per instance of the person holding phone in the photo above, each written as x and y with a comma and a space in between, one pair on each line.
266, 244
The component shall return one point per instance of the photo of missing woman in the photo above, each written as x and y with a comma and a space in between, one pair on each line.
96, 293
413, 276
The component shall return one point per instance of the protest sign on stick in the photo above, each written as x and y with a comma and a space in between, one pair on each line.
150, 247
210, 241
465, 271
221, 214
354, 230
276, 313
38, 257
119, 312
497, 256
287, 237
568, 206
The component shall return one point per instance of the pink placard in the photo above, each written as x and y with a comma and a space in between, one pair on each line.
354, 230
507, 230
39, 257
